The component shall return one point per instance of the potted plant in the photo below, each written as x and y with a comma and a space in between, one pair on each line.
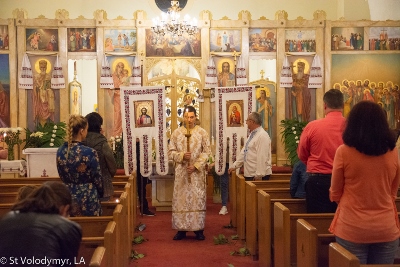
291, 132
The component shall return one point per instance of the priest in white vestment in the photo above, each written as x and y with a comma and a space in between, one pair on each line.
189, 197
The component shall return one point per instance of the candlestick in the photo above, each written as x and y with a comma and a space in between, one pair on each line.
187, 121
187, 135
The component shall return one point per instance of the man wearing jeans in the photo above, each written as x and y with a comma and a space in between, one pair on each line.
255, 156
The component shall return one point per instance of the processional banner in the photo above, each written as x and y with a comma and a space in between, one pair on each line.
143, 118
233, 106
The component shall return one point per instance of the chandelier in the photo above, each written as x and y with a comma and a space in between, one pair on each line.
170, 22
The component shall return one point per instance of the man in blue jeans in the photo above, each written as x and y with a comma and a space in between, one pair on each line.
224, 179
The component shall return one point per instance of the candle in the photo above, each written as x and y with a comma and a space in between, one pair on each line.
113, 144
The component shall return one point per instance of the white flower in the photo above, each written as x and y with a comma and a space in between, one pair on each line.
20, 129
52, 140
55, 126
53, 135
118, 140
296, 137
112, 138
297, 141
54, 131
294, 132
14, 130
293, 128
51, 144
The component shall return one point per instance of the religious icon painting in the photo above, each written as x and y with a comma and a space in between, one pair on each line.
120, 40
234, 112
172, 45
367, 84
347, 39
225, 40
383, 38
4, 91
144, 113
4, 38
300, 41
38, 39
81, 39
225, 71
262, 40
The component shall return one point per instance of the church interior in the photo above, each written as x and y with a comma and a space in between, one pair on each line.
87, 51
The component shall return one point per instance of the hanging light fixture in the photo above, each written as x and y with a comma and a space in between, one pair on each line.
171, 23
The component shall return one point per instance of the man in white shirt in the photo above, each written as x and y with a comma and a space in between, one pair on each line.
256, 154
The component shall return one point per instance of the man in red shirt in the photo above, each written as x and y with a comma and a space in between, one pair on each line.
318, 143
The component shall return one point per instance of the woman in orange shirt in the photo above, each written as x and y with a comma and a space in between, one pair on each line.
365, 180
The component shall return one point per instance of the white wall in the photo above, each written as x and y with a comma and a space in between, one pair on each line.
218, 9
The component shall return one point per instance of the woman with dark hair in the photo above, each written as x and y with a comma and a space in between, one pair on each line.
365, 181
95, 139
37, 228
79, 168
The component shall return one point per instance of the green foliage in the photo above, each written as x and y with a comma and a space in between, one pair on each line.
138, 240
220, 240
241, 252
49, 135
135, 255
291, 132
235, 237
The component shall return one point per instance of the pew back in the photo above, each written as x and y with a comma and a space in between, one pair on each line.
285, 232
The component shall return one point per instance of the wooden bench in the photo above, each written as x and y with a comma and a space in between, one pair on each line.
280, 176
251, 188
285, 232
266, 221
339, 256
99, 258
312, 245
233, 180
236, 206
89, 244
14, 187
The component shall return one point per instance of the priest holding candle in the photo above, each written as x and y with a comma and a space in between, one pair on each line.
189, 148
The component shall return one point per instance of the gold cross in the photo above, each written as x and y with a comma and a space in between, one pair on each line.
262, 72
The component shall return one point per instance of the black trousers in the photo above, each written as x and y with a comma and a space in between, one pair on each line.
317, 194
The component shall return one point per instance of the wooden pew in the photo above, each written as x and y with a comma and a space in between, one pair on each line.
251, 188
14, 187
339, 256
107, 206
89, 244
265, 223
241, 207
99, 258
312, 246
280, 176
236, 198
285, 224
233, 198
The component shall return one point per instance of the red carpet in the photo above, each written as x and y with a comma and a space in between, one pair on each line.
160, 250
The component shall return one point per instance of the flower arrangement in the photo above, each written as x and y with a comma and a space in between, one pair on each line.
11, 136
49, 135
118, 150
291, 132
